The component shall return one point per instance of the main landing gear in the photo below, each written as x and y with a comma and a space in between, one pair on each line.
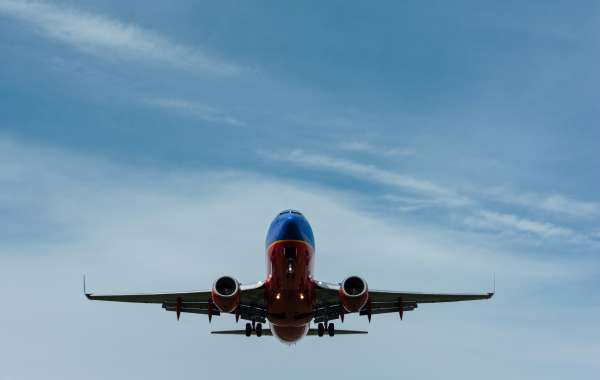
256, 327
321, 329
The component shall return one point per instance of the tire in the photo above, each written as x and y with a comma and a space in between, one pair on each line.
320, 329
331, 329
259, 329
248, 329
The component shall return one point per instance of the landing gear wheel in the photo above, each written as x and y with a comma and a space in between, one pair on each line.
330, 329
259, 329
248, 329
320, 329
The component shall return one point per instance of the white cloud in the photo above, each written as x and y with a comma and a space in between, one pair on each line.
555, 203
111, 38
501, 221
411, 203
570, 206
373, 174
197, 110
364, 147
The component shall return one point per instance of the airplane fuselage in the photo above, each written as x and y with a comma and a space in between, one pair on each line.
290, 250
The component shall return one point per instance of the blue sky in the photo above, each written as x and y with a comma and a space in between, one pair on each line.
430, 145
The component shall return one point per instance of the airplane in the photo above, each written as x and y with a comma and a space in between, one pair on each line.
289, 298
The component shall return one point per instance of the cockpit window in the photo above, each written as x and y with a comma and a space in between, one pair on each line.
290, 211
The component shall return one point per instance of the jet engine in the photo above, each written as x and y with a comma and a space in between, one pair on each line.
354, 293
226, 294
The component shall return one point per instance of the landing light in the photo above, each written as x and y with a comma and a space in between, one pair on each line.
301, 296
278, 296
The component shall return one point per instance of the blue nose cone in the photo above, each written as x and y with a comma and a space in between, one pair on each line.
290, 225
289, 228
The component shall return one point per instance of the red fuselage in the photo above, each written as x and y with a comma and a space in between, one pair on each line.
289, 287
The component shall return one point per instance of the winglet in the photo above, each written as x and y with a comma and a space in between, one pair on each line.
491, 294
87, 295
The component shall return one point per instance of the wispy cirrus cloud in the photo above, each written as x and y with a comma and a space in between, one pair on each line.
364, 147
500, 221
406, 203
374, 174
196, 110
554, 203
110, 38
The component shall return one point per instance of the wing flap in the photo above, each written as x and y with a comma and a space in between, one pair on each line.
385, 310
192, 307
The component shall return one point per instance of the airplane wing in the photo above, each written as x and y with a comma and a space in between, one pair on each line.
252, 304
382, 301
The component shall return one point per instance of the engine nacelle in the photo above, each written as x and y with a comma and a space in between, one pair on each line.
226, 294
354, 293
